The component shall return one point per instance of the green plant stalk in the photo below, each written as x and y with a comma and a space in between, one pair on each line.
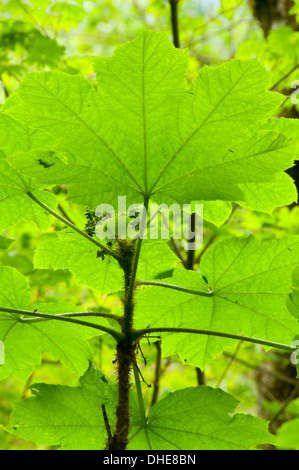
138, 334
72, 226
174, 22
138, 249
173, 286
77, 314
115, 334
141, 404
157, 373
139, 396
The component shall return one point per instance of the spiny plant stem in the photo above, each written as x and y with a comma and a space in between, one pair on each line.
138, 334
115, 334
73, 227
126, 356
173, 286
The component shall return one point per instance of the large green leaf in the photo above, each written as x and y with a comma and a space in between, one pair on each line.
25, 342
265, 197
142, 132
70, 417
193, 418
250, 283
70, 250
197, 418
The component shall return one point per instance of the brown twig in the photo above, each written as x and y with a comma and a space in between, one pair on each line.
175, 22
232, 360
284, 77
106, 421
281, 410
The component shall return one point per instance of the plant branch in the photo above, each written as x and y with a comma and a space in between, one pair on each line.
232, 359
137, 334
126, 357
174, 244
200, 376
106, 422
191, 253
178, 251
291, 397
72, 226
4, 87
64, 213
139, 396
115, 334
157, 373
78, 314
271, 373
173, 286
284, 77
208, 244
138, 249
175, 22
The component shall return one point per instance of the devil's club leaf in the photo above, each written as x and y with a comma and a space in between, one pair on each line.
143, 133
71, 251
193, 418
198, 419
69, 417
265, 197
25, 342
250, 285
77, 254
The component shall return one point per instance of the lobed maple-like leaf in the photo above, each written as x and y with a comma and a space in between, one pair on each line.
25, 342
69, 417
250, 283
197, 418
71, 251
142, 132
189, 419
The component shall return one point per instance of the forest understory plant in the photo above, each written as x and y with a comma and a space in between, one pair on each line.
140, 131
